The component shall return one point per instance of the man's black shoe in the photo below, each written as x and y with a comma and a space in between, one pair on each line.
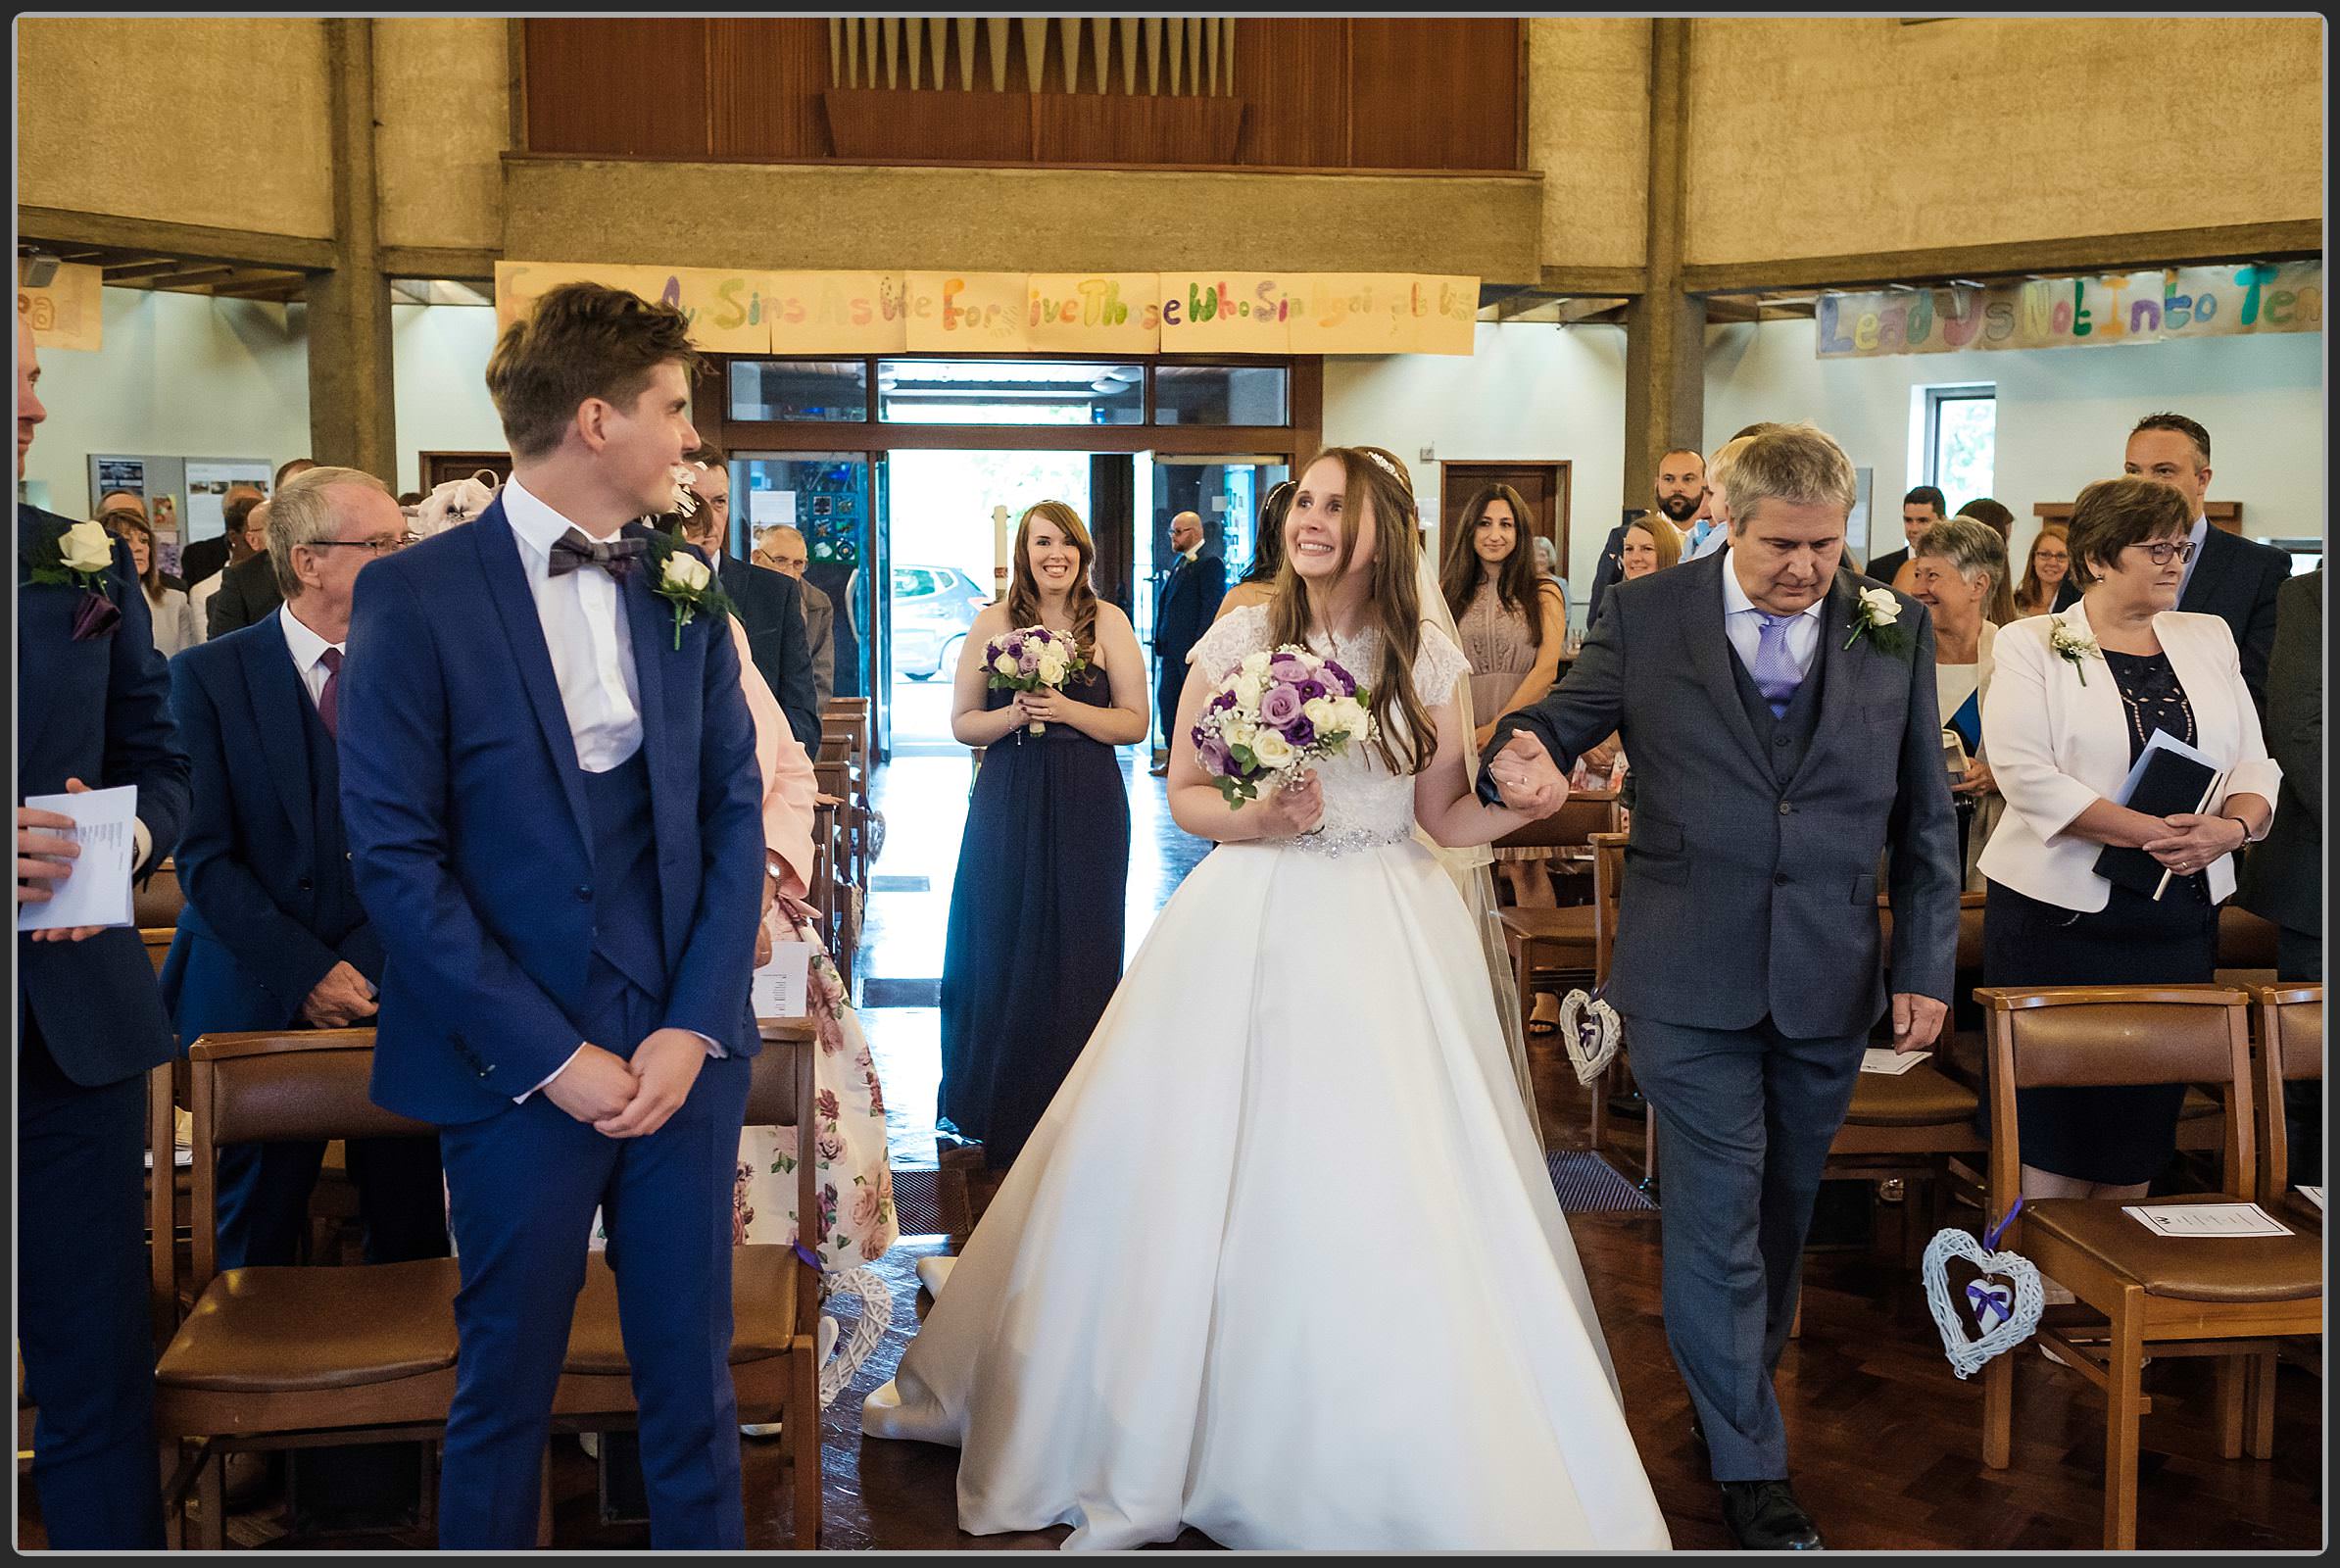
1763, 1516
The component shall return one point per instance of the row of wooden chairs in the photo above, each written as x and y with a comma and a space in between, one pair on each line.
2139, 1293
844, 843
297, 1358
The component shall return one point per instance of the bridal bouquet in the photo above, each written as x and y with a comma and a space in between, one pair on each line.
1030, 659
1273, 715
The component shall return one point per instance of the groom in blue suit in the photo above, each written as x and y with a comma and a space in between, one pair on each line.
552, 801
91, 713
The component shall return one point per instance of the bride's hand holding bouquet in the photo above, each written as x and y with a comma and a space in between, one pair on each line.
1292, 809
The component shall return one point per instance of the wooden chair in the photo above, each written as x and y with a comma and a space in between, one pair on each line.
1559, 942
2229, 1298
158, 943
775, 1305
291, 1357
158, 901
2289, 1045
1608, 885
2246, 948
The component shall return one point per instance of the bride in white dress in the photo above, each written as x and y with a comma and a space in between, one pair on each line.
1282, 1261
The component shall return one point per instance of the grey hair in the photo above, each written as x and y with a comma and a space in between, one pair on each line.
1972, 546
1794, 462
302, 514
1547, 556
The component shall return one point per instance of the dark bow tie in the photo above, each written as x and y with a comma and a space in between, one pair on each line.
618, 557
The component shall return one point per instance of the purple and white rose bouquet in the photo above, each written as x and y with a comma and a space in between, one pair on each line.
1030, 659
1274, 714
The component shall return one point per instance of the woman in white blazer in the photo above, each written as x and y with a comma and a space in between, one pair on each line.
2074, 700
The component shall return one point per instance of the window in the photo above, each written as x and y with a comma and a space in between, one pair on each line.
1219, 394
1961, 431
790, 391
1009, 392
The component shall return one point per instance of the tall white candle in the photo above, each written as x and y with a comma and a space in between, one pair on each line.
999, 553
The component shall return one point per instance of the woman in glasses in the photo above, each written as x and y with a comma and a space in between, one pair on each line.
2074, 700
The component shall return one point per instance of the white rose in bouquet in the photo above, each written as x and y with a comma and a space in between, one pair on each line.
1005, 664
1271, 748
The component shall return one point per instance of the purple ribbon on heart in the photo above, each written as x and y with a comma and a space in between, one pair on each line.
1985, 1299
810, 1258
95, 617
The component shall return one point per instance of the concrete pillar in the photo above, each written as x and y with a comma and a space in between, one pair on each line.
1665, 329
352, 407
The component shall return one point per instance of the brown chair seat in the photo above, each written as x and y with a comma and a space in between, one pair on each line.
355, 1327
764, 1280
1571, 923
1917, 1098
2219, 1268
1964, 1059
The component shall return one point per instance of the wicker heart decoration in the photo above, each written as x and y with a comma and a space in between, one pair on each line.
2006, 1313
1591, 1031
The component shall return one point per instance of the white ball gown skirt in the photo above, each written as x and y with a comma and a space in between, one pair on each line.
1282, 1261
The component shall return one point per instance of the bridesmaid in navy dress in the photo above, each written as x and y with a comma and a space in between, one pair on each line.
1034, 949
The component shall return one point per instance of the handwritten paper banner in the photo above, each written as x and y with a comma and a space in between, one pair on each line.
1061, 312
69, 311
968, 313
1094, 313
2074, 312
1226, 312
837, 313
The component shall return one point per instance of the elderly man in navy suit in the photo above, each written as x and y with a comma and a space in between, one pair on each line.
273, 935
91, 695
550, 789
1781, 719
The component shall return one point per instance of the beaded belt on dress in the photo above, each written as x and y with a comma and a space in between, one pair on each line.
1349, 841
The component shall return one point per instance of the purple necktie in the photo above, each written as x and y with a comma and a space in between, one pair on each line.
1776, 673
329, 698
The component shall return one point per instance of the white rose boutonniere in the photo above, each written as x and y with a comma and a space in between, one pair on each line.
2072, 647
77, 556
1873, 617
85, 549
684, 581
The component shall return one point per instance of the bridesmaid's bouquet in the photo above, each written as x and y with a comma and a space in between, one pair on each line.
1030, 658
1273, 715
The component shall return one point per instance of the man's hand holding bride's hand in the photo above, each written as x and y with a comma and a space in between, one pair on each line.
594, 1087
1292, 809
1529, 781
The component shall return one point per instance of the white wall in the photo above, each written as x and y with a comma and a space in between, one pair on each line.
180, 376
1533, 392
2064, 414
187, 375
439, 358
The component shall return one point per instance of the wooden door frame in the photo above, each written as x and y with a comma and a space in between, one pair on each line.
1553, 525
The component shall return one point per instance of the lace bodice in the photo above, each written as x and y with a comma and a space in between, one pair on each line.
1366, 806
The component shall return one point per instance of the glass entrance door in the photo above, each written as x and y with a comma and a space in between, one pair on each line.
1225, 492
829, 498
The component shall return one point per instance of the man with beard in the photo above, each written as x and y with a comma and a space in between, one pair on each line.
1681, 496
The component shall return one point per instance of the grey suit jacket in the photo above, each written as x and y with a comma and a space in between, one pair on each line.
2282, 878
1743, 897
820, 631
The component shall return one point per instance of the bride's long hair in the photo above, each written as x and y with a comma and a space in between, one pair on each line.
1407, 738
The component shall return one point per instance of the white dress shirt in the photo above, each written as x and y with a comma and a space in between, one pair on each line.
1743, 622
307, 652
584, 616
585, 631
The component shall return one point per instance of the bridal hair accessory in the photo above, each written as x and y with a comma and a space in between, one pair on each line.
455, 501
1589, 1032
2005, 1301
1384, 464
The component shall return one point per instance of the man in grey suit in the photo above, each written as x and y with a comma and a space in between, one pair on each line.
1785, 736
